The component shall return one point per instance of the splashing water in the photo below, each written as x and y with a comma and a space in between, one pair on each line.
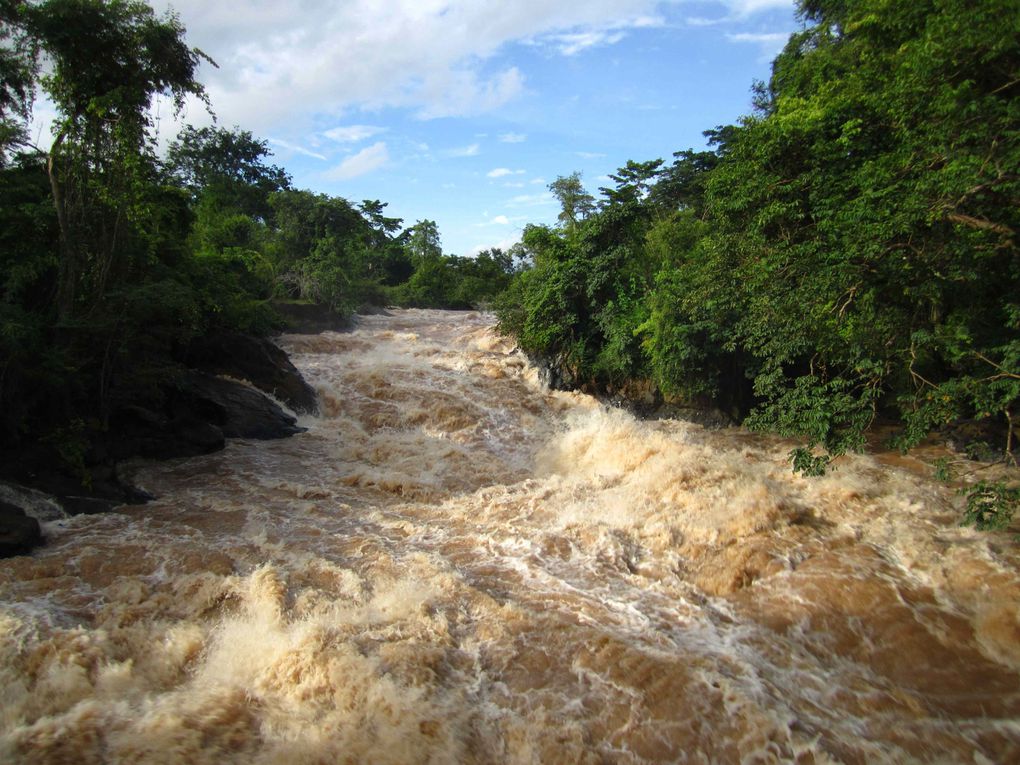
454, 565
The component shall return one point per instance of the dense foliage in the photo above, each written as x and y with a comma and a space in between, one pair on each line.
113, 258
846, 252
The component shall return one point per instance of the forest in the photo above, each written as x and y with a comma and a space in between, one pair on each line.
845, 255
116, 256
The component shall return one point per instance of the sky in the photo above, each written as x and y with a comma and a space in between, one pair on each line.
463, 111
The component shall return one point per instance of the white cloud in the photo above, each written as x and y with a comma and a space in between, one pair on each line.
590, 154
770, 42
294, 148
513, 138
500, 172
574, 43
698, 21
500, 220
365, 161
471, 150
741, 9
280, 63
353, 133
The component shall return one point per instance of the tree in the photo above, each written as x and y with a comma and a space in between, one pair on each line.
424, 243
633, 182
227, 166
18, 70
576, 204
107, 62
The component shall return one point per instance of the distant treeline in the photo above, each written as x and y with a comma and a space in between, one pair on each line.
113, 258
846, 252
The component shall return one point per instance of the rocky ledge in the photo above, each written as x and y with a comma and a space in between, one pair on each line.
230, 386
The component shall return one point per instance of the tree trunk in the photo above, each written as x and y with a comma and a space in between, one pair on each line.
67, 276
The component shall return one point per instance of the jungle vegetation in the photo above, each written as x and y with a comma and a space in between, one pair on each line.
114, 256
847, 252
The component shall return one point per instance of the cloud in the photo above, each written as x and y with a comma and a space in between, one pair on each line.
365, 161
513, 138
353, 133
770, 42
471, 150
738, 10
500, 172
294, 148
281, 65
498, 220
741, 9
589, 154
572, 44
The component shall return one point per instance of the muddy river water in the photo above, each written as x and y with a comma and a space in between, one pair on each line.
455, 565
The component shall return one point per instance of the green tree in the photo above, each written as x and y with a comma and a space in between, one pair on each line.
576, 204
18, 71
228, 167
423, 242
107, 61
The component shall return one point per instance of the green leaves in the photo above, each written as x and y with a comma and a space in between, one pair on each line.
990, 505
850, 249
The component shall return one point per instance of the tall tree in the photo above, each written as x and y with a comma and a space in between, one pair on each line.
228, 166
18, 70
424, 242
107, 61
576, 204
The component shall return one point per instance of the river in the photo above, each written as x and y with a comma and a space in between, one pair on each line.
455, 565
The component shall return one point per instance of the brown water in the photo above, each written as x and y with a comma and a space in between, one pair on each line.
454, 565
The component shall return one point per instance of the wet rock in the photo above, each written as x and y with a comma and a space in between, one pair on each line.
143, 432
311, 319
236, 409
981, 440
707, 416
19, 533
256, 360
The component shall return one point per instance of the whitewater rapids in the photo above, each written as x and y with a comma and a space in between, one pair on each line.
455, 565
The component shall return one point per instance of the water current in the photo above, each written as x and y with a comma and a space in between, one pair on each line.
456, 565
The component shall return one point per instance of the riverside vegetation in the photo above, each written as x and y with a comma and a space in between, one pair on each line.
116, 261
845, 254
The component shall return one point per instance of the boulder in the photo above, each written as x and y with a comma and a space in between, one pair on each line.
19, 533
236, 409
256, 360
143, 432
311, 318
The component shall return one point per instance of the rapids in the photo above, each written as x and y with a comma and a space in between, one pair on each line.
455, 565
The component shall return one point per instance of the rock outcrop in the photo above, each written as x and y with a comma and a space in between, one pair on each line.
19, 533
256, 360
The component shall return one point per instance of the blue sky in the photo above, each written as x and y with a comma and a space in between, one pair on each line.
463, 112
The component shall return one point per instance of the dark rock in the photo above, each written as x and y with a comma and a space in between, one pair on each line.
640, 397
237, 410
554, 374
982, 440
36, 504
707, 416
19, 533
256, 360
311, 319
145, 433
